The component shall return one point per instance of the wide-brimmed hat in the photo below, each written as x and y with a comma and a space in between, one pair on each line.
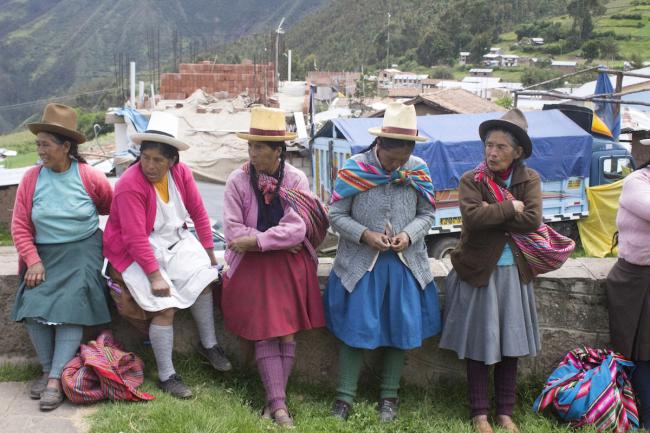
267, 124
513, 121
162, 128
400, 122
58, 119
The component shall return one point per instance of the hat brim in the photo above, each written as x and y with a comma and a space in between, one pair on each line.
520, 134
251, 137
159, 138
77, 136
379, 133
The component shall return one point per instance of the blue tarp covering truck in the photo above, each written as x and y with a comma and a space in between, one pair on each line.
568, 159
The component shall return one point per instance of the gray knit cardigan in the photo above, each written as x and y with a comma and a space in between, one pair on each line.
406, 210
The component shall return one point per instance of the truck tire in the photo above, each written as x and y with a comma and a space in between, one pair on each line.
566, 228
439, 247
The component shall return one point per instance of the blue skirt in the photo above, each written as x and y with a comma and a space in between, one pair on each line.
387, 308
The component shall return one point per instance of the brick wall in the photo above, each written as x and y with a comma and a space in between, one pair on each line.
234, 79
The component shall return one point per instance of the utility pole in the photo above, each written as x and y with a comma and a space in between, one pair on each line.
278, 32
388, 42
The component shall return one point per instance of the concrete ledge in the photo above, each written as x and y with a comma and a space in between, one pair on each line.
571, 304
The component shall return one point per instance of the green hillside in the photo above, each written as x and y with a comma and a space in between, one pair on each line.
59, 47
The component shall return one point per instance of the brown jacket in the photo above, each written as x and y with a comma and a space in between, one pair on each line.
486, 228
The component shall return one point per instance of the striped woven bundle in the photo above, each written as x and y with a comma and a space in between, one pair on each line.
592, 387
103, 371
358, 176
312, 211
544, 249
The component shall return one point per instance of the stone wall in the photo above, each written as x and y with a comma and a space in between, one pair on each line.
7, 198
571, 308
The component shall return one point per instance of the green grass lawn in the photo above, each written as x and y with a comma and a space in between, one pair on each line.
232, 403
5, 236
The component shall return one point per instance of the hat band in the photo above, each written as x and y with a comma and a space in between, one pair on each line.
396, 130
269, 132
153, 131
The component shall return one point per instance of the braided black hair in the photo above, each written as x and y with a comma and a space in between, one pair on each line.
74, 146
253, 173
389, 143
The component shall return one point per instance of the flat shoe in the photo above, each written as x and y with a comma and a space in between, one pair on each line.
51, 398
37, 387
282, 418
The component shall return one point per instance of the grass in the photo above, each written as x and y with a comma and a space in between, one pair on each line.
11, 372
232, 403
5, 236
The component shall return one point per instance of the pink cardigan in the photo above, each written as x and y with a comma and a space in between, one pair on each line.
126, 237
633, 218
22, 228
240, 215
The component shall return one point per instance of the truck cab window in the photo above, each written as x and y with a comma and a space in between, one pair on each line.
617, 168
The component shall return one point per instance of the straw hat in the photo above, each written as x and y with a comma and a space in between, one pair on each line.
162, 128
400, 122
515, 122
58, 119
267, 124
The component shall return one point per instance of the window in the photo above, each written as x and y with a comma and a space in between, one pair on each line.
617, 168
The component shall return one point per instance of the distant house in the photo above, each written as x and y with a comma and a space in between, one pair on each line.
448, 101
329, 83
509, 60
495, 50
403, 92
481, 72
491, 59
462, 57
537, 41
385, 78
566, 66
429, 83
409, 80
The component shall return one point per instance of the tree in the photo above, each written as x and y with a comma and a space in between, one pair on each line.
534, 75
435, 48
480, 45
609, 48
590, 49
582, 11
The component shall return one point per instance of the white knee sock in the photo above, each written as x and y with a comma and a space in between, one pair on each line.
203, 313
162, 343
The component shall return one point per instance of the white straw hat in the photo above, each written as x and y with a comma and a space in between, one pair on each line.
162, 128
400, 122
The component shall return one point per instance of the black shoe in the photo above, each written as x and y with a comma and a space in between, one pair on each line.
51, 398
38, 386
388, 409
341, 410
216, 356
175, 386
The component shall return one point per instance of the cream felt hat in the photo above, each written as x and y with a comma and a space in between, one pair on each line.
58, 119
400, 122
267, 124
162, 128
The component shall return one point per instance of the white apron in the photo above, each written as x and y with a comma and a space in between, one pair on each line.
183, 261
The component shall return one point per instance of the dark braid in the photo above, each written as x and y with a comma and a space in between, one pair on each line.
74, 146
283, 157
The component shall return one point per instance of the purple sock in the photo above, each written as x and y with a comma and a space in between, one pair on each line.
477, 382
269, 364
288, 353
505, 384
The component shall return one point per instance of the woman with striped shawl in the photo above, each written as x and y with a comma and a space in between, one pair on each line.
272, 224
381, 293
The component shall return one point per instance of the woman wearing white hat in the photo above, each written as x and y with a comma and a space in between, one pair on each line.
272, 224
381, 292
160, 266
55, 230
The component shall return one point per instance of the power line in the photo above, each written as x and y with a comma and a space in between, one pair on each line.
55, 98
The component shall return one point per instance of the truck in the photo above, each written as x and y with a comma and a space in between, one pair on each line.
567, 153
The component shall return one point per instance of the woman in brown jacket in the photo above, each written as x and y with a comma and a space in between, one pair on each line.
490, 316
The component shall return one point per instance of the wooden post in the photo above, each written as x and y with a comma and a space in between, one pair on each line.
618, 89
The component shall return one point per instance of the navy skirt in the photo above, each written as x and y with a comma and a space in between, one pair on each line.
387, 308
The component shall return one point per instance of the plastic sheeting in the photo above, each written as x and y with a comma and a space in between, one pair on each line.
561, 148
597, 230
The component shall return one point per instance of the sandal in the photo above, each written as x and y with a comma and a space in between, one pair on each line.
51, 398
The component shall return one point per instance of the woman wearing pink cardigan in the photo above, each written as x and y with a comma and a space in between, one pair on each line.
158, 264
55, 230
271, 290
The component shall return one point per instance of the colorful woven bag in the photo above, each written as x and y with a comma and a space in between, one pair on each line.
592, 387
544, 249
103, 371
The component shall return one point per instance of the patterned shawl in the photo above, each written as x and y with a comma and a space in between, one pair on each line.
358, 176
306, 204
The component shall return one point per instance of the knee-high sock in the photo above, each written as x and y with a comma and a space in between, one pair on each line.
203, 313
42, 337
162, 343
505, 384
269, 364
66, 343
477, 383
392, 372
641, 384
288, 353
350, 360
